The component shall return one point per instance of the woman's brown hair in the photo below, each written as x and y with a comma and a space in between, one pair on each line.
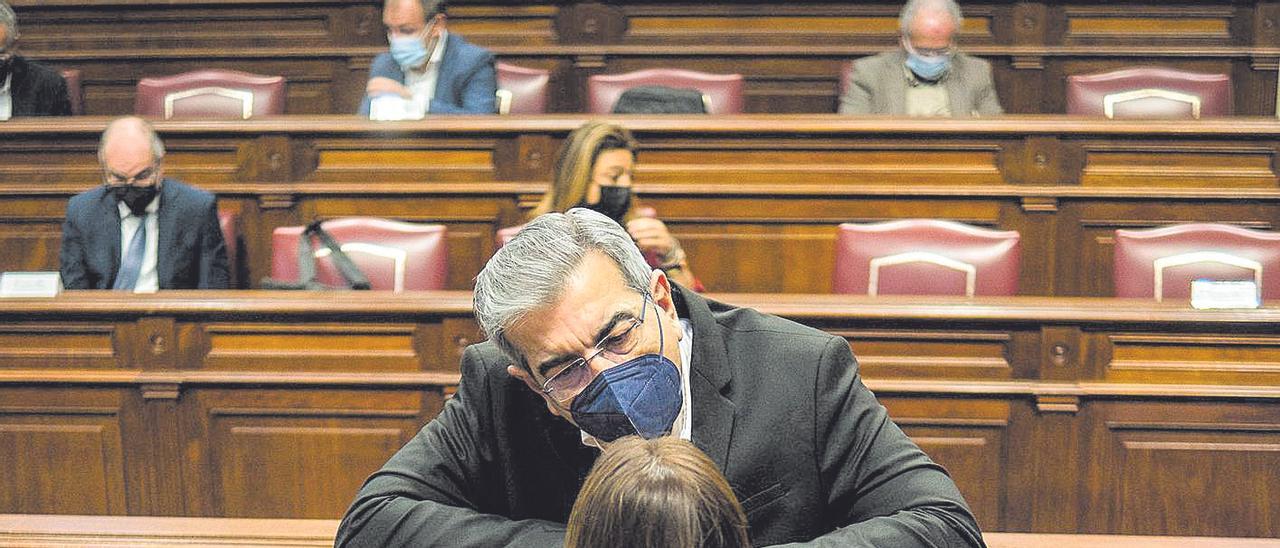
576, 159
656, 493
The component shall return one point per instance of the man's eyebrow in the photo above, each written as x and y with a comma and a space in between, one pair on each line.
550, 363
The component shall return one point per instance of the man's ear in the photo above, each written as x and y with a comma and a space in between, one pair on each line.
660, 288
524, 376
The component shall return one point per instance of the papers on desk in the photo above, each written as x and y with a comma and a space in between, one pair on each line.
30, 284
1224, 294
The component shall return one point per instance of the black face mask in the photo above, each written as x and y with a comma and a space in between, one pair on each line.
614, 202
135, 198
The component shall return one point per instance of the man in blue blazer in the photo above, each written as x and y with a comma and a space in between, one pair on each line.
140, 232
435, 71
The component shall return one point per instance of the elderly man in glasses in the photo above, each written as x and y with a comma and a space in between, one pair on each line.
138, 231
926, 76
26, 88
587, 343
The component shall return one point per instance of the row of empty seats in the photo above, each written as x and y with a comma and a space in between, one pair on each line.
1142, 92
905, 257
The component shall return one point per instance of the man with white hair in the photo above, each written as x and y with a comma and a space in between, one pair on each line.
587, 344
925, 76
26, 88
139, 231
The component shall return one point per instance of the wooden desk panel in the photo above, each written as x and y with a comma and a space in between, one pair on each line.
1052, 414
754, 199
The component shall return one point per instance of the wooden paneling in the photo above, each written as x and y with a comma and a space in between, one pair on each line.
755, 200
1052, 414
789, 52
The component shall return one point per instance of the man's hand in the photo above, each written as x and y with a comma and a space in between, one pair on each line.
379, 85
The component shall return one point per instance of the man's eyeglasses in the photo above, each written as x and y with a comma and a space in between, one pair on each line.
116, 179
569, 380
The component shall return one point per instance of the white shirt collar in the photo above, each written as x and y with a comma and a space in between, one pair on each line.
6, 98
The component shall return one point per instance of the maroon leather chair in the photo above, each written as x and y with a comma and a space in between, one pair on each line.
846, 76
522, 90
1149, 92
229, 222
210, 93
394, 255
722, 93
75, 90
926, 257
1162, 262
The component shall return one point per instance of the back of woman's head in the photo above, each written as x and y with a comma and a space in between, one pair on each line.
572, 172
662, 492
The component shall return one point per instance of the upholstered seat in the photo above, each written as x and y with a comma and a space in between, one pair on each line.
1162, 262
211, 93
522, 90
394, 255
721, 93
1149, 92
926, 257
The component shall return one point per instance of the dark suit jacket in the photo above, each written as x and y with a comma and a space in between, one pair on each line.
879, 86
38, 90
191, 252
467, 83
779, 408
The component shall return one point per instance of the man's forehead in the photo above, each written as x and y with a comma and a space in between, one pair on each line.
593, 293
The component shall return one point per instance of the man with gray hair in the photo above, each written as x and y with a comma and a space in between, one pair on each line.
588, 344
925, 76
26, 88
138, 231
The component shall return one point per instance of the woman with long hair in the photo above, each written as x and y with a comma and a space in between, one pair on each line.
594, 169
656, 493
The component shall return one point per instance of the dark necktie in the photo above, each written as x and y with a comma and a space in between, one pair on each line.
132, 265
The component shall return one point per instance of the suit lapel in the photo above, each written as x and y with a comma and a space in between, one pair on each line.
108, 221
713, 413
957, 92
895, 83
449, 64
166, 224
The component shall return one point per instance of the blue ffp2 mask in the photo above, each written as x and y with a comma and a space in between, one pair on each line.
408, 51
641, 396
928, 68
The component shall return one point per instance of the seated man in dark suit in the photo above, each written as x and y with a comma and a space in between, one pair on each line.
926, 76
432, 70
587, 344
26, 88
139, 232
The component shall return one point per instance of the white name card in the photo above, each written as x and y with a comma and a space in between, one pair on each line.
30, 284
393, 108
1224, 294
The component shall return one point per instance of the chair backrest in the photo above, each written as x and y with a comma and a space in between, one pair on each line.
721, 92
229, 222
522, 90
1149, 92
75, 90
926, 257
210, 93
394, 255
1161, 262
